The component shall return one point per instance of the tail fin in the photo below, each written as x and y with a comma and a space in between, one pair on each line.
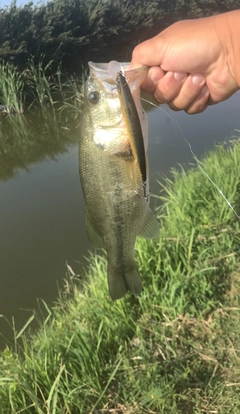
119, 282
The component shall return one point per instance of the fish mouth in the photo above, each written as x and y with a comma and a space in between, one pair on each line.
103, 67
106, 73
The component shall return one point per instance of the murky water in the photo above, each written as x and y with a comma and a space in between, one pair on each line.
41, 204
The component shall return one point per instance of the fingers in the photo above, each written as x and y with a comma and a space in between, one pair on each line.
155, 74
178, 89
200, 103
181, 91
169, 86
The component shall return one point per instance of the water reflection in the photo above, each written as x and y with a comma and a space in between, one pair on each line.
42, 227
29, 138
41, 205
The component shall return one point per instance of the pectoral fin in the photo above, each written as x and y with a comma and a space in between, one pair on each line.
150, 229
93, 236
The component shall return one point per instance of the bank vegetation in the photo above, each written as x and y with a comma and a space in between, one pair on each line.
176, 348
74, 31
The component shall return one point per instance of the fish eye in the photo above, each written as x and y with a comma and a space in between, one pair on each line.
93, 97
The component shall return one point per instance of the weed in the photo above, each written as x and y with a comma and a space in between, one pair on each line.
12, 96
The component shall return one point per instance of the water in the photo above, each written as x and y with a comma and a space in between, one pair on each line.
41, 203
168, 149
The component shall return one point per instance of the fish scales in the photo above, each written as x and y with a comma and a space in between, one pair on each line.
116, 206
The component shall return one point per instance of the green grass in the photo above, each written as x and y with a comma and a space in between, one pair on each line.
38, 86
11, 88
176, 348
40, 83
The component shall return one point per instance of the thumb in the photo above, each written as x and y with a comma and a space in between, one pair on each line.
149, 53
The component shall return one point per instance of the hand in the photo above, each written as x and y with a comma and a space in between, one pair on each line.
191, 62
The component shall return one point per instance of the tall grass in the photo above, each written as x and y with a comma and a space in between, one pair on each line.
72, 92
40, 83
38, 86
12, 96
176, 348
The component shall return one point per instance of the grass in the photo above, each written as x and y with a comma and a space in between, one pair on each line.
176, 348
11, 88
40, 83
38, 86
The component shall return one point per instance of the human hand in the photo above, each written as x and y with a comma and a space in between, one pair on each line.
192, 62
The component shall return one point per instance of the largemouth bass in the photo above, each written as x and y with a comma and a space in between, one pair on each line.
114, 170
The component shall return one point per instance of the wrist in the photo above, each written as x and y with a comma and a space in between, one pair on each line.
230, 22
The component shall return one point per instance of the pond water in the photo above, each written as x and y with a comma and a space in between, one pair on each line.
41, 203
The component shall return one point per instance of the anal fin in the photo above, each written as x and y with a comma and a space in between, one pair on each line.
150, 229
93, 236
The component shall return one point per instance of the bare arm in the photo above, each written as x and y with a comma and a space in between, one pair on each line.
193, 63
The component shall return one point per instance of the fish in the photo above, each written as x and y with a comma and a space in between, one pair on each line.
114, 170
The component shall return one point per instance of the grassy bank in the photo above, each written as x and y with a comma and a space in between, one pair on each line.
176, 348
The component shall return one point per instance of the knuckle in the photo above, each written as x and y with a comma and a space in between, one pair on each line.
174, 107
196, 109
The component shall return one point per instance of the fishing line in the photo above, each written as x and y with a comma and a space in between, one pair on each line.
195, 157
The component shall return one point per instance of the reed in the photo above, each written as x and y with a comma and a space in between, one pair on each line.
39, 87
173, 350
40, 83
12, 95
54, 89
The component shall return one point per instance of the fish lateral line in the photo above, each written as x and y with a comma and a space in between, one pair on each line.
195, 158
133, 124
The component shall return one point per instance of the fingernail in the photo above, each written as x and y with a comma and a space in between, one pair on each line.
154, 75
179, 76
198, 79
